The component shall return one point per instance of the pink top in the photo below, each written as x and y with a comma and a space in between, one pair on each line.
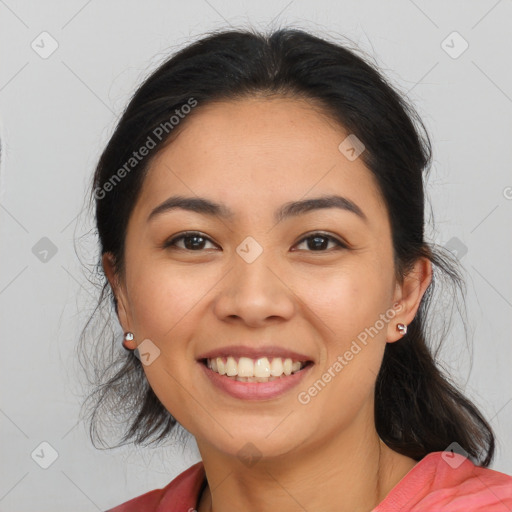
440, 482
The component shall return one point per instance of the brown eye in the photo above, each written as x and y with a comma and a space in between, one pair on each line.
192, 241
318, 242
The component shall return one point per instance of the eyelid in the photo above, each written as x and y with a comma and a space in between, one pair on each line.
339, 242
172, 241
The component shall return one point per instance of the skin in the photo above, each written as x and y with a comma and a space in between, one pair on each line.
254, 155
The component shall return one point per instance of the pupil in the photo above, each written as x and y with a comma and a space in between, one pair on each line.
193, 245
316, 239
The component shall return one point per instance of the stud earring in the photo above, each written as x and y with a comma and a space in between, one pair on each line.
402, 328
128, 336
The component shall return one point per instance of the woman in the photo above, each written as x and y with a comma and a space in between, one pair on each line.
260, 215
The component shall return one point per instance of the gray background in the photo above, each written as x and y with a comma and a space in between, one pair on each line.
56, 115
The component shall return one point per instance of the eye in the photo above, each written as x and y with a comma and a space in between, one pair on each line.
192, 241
318, 242
195, 241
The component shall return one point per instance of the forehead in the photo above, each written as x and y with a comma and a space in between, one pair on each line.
263, 150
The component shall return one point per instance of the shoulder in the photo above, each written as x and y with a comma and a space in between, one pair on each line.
449, 482
180, 494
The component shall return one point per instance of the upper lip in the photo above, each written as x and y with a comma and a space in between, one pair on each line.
254, 353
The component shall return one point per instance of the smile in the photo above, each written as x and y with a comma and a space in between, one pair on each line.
263, 369
283, 375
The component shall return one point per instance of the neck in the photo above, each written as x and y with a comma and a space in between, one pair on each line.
352, 472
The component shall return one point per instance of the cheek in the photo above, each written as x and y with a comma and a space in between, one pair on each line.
345, 301
164, 298
348, 307
166, 305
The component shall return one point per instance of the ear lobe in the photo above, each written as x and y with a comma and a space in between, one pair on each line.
108, 262
408, 295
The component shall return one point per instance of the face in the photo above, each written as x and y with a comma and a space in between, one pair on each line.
318, 281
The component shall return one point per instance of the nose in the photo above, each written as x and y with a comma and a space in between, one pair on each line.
255, 294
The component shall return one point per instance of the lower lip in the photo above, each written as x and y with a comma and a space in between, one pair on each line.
255, 390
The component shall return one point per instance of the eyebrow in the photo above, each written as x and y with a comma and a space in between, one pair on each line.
205, 206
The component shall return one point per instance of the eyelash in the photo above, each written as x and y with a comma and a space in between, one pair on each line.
189, 234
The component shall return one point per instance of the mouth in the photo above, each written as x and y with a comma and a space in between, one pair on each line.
261, 379
254, 372
260, 370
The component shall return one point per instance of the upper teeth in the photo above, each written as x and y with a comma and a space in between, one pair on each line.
246, 367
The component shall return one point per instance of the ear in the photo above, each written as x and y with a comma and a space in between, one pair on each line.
119, 293
408, 295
